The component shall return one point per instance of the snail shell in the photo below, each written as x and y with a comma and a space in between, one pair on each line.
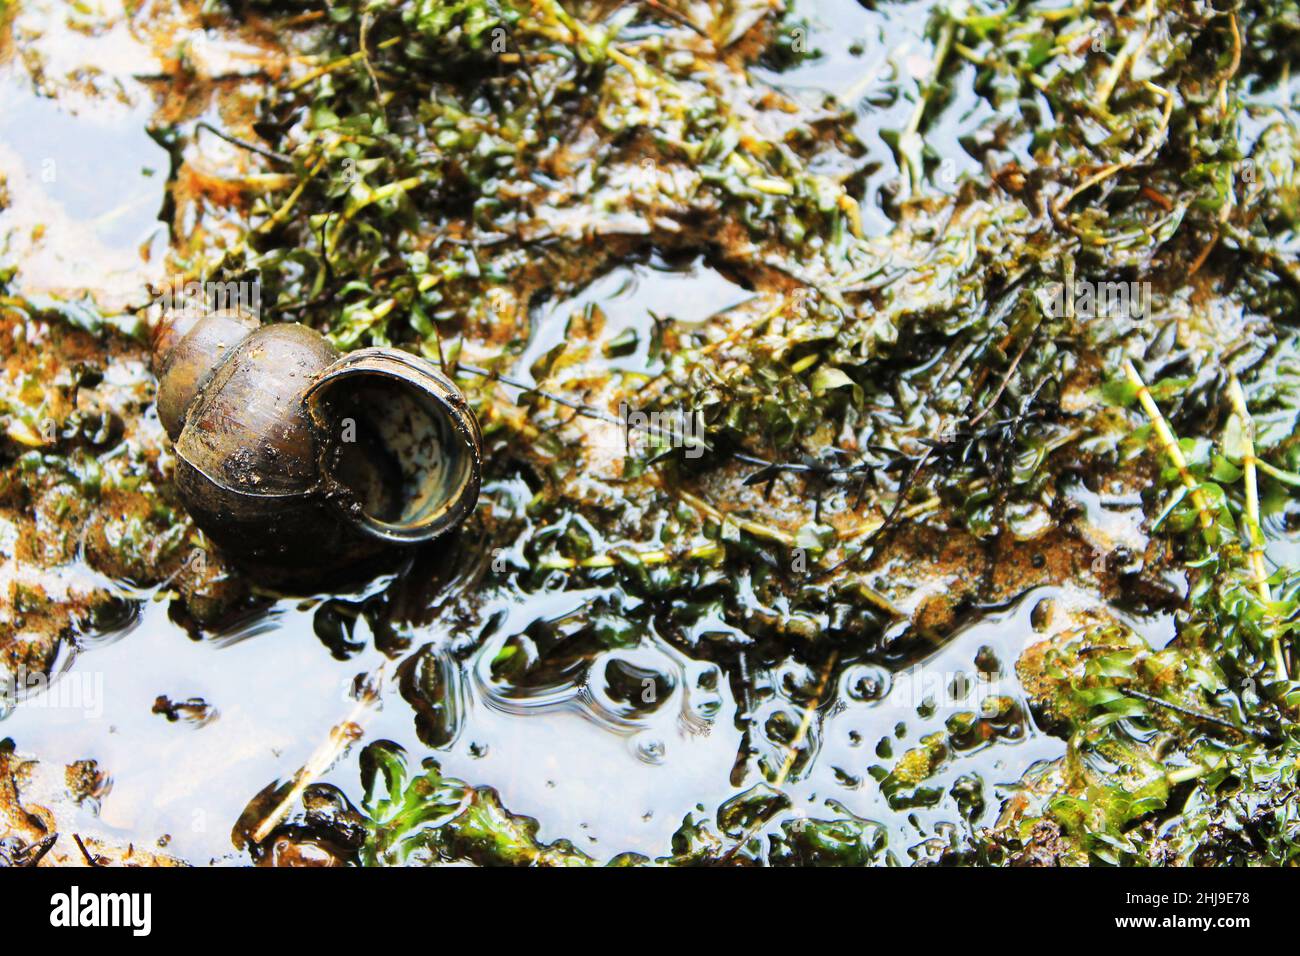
289, 455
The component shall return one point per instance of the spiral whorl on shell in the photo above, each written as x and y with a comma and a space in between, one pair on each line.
288, 454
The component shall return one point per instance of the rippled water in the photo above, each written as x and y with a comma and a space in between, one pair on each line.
610, 750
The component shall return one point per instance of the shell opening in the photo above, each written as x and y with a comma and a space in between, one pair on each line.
400, 449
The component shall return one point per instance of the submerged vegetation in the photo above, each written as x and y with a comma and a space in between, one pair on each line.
920, 410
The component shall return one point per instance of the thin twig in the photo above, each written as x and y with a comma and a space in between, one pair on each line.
677, 17
1169, 445
1198, 715
339, 63
1233, 66
341, 735
1156, 140
806, 724
894, 513
792, 750
1255, 534
94, 860
587, 411
33, 853
245, 144
1253, 530
815, 468
363, 39
1006, 379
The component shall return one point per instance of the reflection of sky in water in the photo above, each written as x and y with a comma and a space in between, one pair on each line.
278, 693
173, 778
104, 171
874, 61
944, 684
630, 297
552, 755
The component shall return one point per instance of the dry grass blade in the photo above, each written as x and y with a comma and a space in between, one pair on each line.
1169, 446
1254, 532
341, 736
792, 749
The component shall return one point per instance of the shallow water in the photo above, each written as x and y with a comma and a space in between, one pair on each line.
84, 179
609, 774
633, 298
610, 781
73, 155
873, 61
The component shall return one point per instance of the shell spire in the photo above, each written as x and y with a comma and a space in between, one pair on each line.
288, 454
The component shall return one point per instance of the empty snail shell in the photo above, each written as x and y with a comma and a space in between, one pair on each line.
288, 454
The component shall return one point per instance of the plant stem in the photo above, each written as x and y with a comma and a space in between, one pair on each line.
1169, 445
1253, 530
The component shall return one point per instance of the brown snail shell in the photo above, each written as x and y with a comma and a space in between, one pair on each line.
289, 455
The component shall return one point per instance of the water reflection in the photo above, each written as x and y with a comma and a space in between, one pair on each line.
85, 181
609, 742
277, 694
874, 63
635, 299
